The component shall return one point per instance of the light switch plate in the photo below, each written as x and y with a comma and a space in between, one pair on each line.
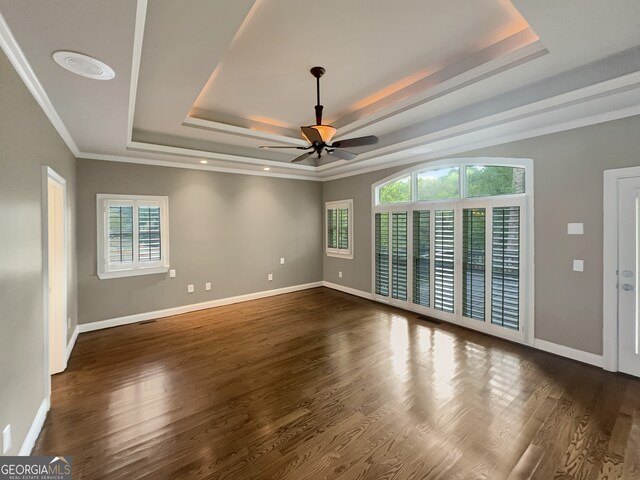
6, 439
207, 286
172, 273
578, 265
575, 228
281, 260
191, 288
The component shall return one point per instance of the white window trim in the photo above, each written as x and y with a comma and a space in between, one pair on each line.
526, 333
134, 268
339, 252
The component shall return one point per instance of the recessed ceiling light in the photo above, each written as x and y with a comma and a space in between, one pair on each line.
203, 161
83, 65
266, 169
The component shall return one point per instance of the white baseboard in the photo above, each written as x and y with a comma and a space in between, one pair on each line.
568, 352
141, 317
72, 343
349, 290
34, 431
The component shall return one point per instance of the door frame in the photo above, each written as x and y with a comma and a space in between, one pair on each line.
610, 264
50, 174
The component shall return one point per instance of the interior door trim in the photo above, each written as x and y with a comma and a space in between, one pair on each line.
610, 264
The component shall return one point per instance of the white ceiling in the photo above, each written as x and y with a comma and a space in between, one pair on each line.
214, 80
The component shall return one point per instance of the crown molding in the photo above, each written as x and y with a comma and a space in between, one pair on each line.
19, 61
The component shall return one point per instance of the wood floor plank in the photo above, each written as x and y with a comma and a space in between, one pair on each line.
319, 384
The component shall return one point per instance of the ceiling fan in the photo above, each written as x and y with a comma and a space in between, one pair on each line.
319, 136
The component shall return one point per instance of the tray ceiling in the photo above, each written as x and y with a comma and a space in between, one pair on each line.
214, 80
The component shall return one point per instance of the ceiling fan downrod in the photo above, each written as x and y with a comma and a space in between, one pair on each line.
318, 72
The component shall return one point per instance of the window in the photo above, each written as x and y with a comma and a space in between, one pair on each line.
439, 184
421, 257
443, 271
487, 180
451, 240
399, 255
382, 254
133, 235
396, 191
339, 227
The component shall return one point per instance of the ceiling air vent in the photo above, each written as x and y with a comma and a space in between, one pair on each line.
83, 65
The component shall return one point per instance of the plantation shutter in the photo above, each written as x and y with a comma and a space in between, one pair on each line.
382, 254
149, 245
332, 228
343, 228
505, 273
120, 224
421, 256
399, 255
444, 263
473, 262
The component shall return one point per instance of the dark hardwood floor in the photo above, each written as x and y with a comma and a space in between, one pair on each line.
319, 384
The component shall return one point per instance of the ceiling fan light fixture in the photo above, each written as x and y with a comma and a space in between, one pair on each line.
326, 132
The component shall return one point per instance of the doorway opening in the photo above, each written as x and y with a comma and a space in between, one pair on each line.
55, 273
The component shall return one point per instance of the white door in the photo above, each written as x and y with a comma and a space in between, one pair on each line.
57, 291
628, 257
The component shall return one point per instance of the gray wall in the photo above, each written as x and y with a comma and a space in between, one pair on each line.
27, 142
227, 229
568, 183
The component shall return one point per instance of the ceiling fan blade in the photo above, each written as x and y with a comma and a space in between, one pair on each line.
343, 154
312, 134
302, 157
276, 146
356, 142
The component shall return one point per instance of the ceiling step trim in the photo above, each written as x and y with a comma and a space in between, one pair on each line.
210, 167
242, 131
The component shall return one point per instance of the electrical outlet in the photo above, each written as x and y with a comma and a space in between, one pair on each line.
172, 273
270, 277
339, 274
578, 265
6, 439
191, 288
207, 286
281, 260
